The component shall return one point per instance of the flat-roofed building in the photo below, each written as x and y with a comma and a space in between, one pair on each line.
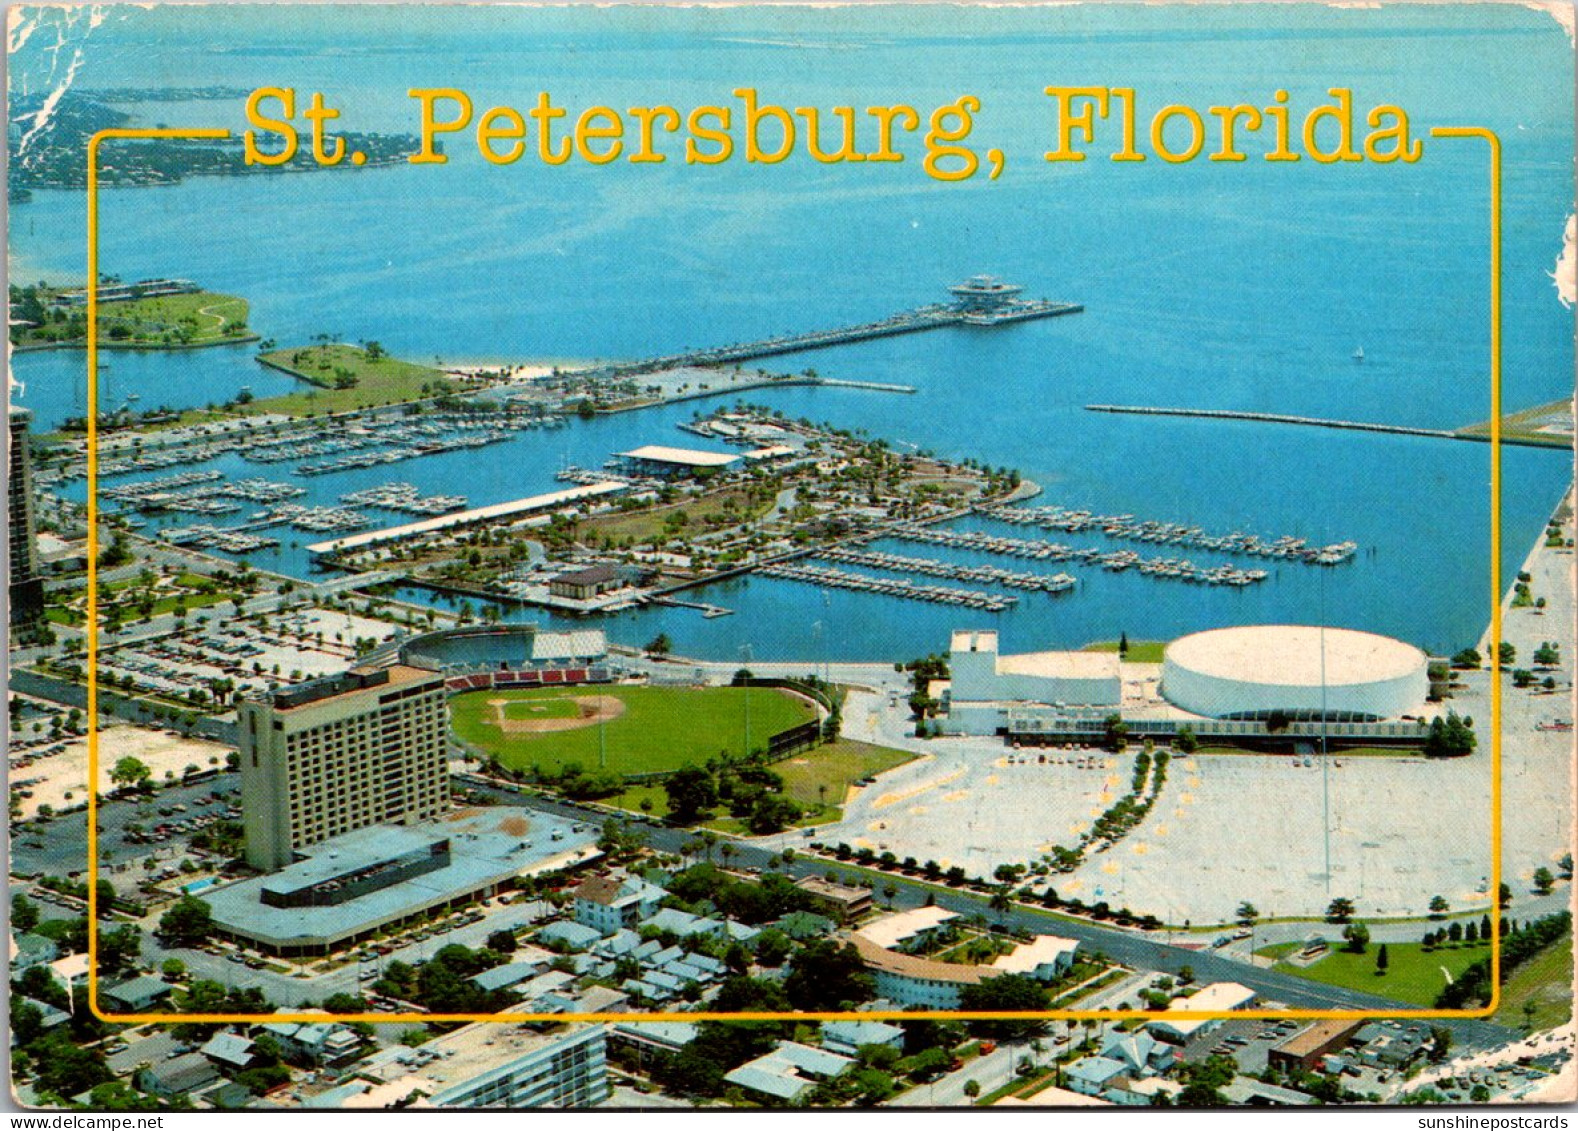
1303, 1050
906, 927
848, 1037
844, 902
984, 684
650, 1042
492, 1064
368, 747
352, 886
1218, 997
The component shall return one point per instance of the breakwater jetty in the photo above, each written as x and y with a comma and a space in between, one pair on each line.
1476, 436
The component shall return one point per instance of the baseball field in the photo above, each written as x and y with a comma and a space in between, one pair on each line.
630, 730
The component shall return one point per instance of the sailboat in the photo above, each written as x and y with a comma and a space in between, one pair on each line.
1358, 355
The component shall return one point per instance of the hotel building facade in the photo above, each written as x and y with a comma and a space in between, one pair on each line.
368, 747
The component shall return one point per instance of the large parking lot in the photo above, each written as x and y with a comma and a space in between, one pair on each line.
251, 657
55, 773
58, 847
975, 804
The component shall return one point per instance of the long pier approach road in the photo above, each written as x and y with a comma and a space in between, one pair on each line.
1125, 947
1321, 422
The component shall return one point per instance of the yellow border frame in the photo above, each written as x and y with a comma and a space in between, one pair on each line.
883, 1015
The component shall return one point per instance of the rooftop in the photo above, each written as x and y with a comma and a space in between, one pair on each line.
469, 1052
907, 965
859, 1033
828, 889
352, 852
1061, 665
1096, 1069
1290, 655
487, 845
1027, 957
1306, 1041
1218, 997
549, 501
788, 1070
891, 930
974, 640
592, 574
669, 1034
602, 890
680, 457
353, 682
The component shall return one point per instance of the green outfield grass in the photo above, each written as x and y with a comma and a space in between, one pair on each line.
1412, 974
662, 728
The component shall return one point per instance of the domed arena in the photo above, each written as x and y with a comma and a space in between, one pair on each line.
1299, 671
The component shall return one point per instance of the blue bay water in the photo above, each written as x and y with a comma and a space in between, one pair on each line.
1206, 285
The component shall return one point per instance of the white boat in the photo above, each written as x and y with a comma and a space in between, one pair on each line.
1358, 354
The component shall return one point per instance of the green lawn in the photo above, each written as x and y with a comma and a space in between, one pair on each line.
1279, 950
378, 382
203, 318
1140, 651
1412, 975
825, 774
661, 729
1546, 980
835, 765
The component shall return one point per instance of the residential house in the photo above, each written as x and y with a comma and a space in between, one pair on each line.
610, 903
788, 1072
178, 1076
847, 1037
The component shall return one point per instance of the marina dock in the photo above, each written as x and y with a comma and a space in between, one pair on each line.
1176, 569
888, 587
931, 567
1127, 527
708, 612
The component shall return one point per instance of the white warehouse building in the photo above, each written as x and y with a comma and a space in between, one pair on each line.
984, 684
1301, 671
